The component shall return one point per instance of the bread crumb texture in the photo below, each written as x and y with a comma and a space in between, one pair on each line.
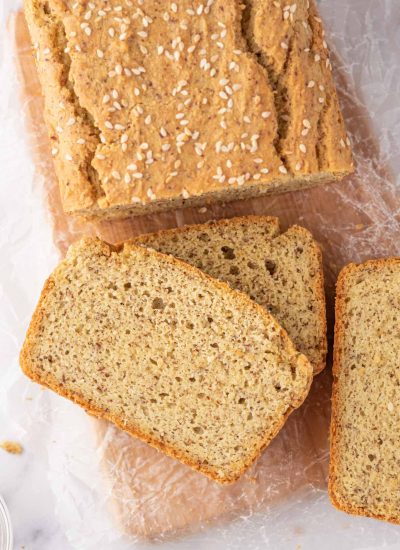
365, 440
11, 447
156, 104
166, 353
280, 271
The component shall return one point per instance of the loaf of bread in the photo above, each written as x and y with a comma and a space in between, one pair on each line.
365, 438
167, 353
153, 105
280, 271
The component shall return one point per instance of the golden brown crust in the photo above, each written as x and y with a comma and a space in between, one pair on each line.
103, 110
249, 220
343, 281
302, 363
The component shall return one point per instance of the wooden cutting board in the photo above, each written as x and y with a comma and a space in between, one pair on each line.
153, 495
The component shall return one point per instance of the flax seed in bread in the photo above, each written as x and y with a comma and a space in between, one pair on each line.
365, 440
156, 105
167, 353
280, 271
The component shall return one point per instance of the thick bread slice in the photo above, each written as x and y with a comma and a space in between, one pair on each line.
280, 271
365, 439
167, 353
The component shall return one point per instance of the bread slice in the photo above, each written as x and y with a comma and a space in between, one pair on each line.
280, 271
157, 105
365, 430
167, 353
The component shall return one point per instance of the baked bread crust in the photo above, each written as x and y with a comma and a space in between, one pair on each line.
341, 502
244, 111
163, 241
27, 361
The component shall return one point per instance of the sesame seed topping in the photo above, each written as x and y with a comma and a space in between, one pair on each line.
100, 53
68, 157
266, 114
311, 84
282, 169
185, 194
302, 148
298, 166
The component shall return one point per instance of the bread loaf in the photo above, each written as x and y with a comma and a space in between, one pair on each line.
159, 105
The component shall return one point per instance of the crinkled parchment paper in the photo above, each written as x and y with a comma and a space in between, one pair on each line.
112, 491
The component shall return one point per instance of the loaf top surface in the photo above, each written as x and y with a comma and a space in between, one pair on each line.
281, 271
150, 100
167, 353
365, 441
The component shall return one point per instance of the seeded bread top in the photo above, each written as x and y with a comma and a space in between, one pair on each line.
153, 100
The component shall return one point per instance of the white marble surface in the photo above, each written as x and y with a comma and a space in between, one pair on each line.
40, 503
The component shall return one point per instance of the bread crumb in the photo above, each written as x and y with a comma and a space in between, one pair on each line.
203, 210
12, 447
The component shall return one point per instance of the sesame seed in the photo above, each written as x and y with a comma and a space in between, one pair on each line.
54, 151
342, 143
266, 114
71, 121
106, 98
256, 176
264, 170
132, 167
348, 141
147, 120
116, 175
284, 46
108, 125
258, 161
119, 127
138, 175
185, 194
111, 32
317, 57
303, 148
68, 157
247, 119
165, 147
282, 169
321, 99
88, 31
311, 84
127, 178
100, 53
142, 34
306, 123
160, 49
298, 166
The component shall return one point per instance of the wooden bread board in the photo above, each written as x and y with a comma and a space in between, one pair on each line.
154, 495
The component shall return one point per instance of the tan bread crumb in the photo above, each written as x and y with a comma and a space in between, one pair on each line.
12, 447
